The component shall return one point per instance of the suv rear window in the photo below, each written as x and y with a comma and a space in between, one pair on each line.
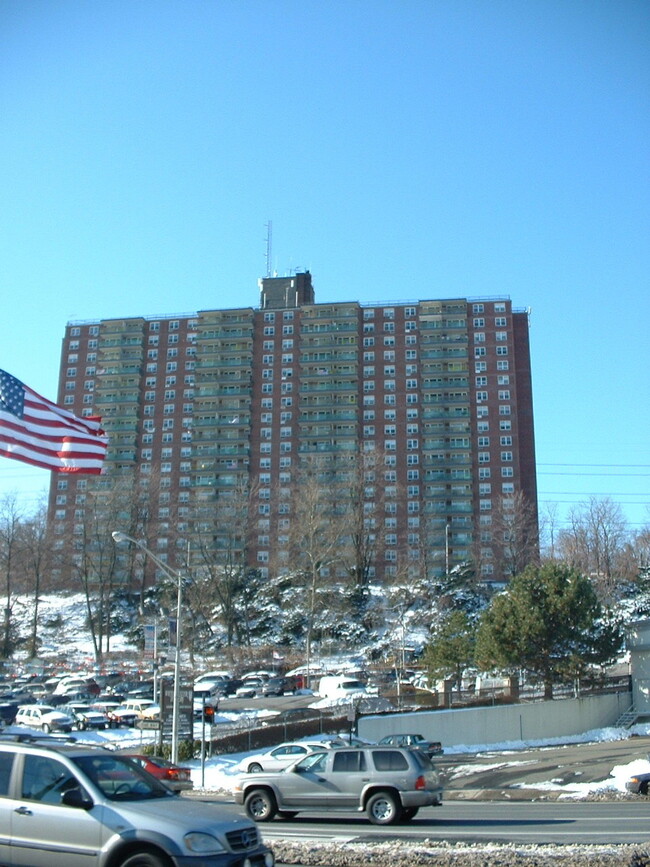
389, 760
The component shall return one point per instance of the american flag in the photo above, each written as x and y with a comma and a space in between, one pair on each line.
38, 432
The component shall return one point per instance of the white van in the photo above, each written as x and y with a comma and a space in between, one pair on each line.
340, 686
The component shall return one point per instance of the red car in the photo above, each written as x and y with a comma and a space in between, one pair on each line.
177, 778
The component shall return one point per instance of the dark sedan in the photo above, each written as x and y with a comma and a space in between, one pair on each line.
638, 784
415, 742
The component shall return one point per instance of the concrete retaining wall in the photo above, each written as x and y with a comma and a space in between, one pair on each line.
490, 725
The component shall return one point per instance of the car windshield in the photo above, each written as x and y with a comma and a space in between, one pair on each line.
121, 779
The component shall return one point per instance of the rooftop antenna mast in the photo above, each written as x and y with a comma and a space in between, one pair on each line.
269, 246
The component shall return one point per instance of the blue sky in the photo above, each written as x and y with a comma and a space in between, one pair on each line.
402, 150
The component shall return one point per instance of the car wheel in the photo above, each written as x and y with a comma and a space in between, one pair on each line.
255, 768
145, 858
409, 813
260, 805
46, 728
383, 808
643, 789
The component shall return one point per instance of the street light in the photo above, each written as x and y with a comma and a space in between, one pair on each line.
119, 536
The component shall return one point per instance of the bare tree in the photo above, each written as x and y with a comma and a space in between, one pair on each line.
361, 501
515, 534
549, 529
594, 543
220, 535
10, 529
94, 560
318, 533
36, 547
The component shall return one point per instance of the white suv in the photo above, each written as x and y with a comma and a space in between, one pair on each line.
63, 805
44, 717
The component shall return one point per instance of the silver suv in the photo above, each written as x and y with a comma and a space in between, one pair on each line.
389, 784
63, 805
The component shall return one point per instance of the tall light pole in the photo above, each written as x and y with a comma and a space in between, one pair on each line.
119, 536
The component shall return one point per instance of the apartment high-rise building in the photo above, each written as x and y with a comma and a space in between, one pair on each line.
437, 392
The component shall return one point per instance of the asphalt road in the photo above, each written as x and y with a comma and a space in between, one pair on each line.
495, 775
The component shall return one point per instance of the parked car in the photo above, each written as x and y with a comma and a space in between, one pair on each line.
118, 714
44, 717
280, 757
279, 685
8, 711
178, 779
63, 804
141, 706
251, 687
389, 784
639, 784
85, 717
417, 742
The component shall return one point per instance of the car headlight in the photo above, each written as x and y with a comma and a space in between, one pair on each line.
205, 844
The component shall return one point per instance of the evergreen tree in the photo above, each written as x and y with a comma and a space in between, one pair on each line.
549, 623
451, 650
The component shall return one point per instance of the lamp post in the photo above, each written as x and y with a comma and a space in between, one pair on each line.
119, 536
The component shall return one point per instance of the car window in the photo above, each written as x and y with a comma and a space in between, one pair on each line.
6, 764
120, 779
314, 763
422, 759
389, 760
45, 779
349, 760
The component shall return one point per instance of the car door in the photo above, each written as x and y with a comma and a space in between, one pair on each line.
45, 832
346, 777
308, 783
6, 765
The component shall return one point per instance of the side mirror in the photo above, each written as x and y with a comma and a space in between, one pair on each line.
76, 798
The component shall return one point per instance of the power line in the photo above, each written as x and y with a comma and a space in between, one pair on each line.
624, 466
